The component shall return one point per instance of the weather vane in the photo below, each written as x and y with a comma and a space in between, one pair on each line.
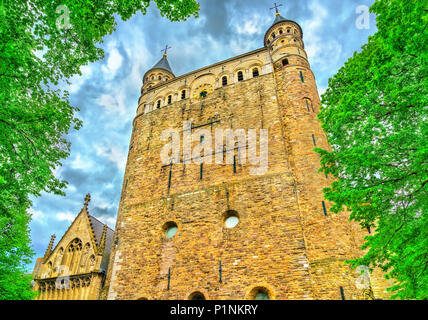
165, 50
276, 6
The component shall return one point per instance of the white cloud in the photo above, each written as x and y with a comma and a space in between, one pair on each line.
110, 221
113, 153
101, 203
37, 216
324, 54
114, 62
250, 26
65, 216
77, 81
79, 163
113, 104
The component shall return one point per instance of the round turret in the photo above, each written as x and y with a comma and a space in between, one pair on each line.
284, 40
161, 72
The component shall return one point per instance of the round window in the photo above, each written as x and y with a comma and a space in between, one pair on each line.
261, 296
232, 222
171, 231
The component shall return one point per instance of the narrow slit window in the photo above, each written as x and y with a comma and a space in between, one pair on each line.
313, 139
169, 99
301, 76
201, 171
183, 94
324, 208
158, 104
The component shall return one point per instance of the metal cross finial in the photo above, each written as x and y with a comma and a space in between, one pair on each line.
87, 199
165, 50
276, 6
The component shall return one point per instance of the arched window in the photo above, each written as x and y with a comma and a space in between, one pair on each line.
285, 62
158, 105
260, 293
197, 296
160, 78
280, 31
224, 81
255, 72
273, 35
183, 94
73, 254
91, 263
170, 229
240, 76
288, 30
169, 99
308, 105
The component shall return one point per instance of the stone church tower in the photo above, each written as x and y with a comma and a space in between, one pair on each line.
216, 231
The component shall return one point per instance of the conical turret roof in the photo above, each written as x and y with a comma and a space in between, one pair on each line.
163, 64
279, 19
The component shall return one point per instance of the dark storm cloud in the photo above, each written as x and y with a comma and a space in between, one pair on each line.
108, 90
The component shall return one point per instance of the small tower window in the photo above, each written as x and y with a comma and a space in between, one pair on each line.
224, 81
285, 62
183, 94
231, 219
261, 296
288, 30
260, 293
255, 72
203, 94
280, 31
240, 76
158, 104
160, 78
273, 35
170, 229
197, 296
169, 99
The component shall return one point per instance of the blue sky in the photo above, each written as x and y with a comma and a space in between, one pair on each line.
108, 90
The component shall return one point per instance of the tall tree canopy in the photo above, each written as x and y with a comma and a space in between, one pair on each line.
43, 42
375, 116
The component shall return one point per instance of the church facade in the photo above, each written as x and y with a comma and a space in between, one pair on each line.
199, 230
215, 231
75, 268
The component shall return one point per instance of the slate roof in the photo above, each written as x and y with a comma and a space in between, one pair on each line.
163, 64
98, 227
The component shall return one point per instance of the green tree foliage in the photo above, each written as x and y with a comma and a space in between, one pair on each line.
375, 116
43, 42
